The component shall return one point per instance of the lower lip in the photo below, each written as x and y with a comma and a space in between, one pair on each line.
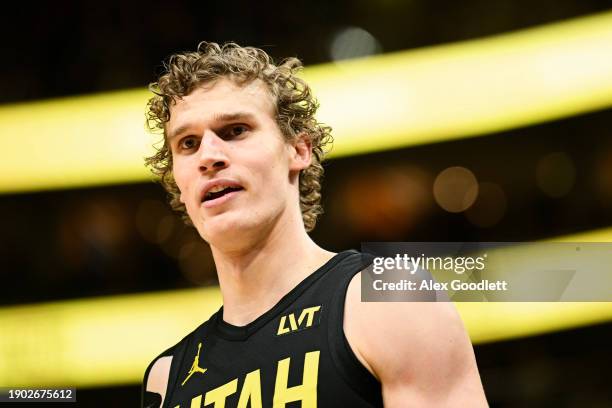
221, 200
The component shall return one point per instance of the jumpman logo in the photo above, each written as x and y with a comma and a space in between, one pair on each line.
195, 368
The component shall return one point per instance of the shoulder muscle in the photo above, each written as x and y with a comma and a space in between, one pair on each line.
419, 351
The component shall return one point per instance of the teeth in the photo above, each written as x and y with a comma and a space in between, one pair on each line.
217, 189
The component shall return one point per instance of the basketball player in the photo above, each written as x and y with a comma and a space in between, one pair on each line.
242, 160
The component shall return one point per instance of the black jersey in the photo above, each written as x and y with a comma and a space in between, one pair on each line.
294, 355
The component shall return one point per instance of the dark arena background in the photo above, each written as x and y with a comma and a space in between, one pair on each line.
454, 121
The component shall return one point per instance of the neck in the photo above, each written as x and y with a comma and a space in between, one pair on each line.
255, 277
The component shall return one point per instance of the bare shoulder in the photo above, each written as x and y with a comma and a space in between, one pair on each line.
157, 380
419, 351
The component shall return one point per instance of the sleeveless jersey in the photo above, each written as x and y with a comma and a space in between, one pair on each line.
294, 355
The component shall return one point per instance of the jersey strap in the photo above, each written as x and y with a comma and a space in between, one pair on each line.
350, 368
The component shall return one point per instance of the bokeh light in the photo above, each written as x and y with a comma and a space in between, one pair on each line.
386, 203
455, 189
353, 42
148, 216
196, 262
603, 177
490, 206
165, 227
555, 174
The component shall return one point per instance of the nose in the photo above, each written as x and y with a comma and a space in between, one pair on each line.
213, 155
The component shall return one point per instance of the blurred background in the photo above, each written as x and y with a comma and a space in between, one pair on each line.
454, 121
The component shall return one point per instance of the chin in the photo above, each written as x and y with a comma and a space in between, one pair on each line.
223, 229
235, 232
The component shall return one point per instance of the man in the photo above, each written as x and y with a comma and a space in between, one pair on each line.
242, 159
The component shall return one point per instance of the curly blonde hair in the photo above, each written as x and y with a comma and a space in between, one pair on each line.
295, 110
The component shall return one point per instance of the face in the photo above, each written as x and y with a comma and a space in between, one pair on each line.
236, 173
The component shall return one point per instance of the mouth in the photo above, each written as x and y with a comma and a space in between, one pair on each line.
218, 192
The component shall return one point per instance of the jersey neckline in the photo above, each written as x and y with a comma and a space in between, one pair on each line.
240, 333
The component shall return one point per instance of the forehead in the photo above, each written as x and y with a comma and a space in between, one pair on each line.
223, 96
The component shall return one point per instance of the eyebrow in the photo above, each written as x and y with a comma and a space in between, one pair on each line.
217, 118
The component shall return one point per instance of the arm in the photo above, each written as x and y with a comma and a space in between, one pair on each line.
156, 382
419, 351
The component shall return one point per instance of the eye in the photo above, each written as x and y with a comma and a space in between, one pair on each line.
188, 143
234, 131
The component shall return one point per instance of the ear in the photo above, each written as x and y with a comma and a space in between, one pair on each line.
300, 152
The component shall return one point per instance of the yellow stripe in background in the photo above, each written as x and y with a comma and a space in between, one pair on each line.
96, 342
110, 341
389, 101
